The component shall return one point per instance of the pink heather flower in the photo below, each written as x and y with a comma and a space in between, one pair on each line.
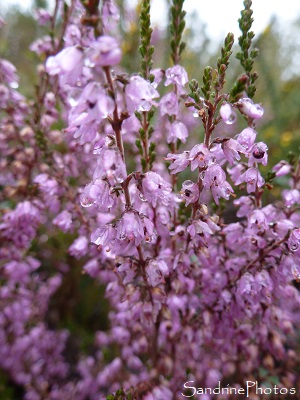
79, 247
176, 75
248, 108
245, 204
158, 76
130, 228
231, 149
8, 73
105, 52
110, 165
177, 130
97, 193
42, 16
258, 154
46, 184
228, 115
294, 240
156, 270
155, 189
189, 192
180, 161
247, 138
110, 14
139, 94
169, 104
63, 220
282, 168
291, 197
253, 179
68, 63
215, 179
257, 221
199, 227
104, 236
200, 157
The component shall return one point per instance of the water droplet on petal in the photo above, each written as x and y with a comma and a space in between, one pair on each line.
231, 120
86, 201
195, 114
141, 196
294, 247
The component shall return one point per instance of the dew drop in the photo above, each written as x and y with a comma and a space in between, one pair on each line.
294, 247
195, 114
231, 120
86, 201
141, 196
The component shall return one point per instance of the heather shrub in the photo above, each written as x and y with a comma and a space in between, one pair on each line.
138, 198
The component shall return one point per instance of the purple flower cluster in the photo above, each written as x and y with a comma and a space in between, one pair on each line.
193, 296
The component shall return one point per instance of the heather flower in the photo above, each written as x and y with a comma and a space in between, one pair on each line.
228, 115
215, 179
291, 197
257, 221
105, 52
245, 205
156, 270
103, 236
248, 108
155, 189
169, 104
253, 179
189, 192
63, 220
247, 138
130, 228
97, 193
177, 130
176, 75
200, 157
258, 154
139, 94
68, 63
42, 16
282, 168
79, 247
110, 165
180, 161
231, 149
8, 73
46, 184
110, 14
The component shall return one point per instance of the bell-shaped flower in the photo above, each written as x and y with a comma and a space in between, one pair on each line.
228, 115
252, 178
105, 52
176, 75
258, 154
180, 161
169, 104
189, 192
177, 130
104, 236
156, 270
248, 108
139, 94
215, 179
97, 193
130, 228
232, 150
282, 168
247, 138
200, 156
68, 64
155, 189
